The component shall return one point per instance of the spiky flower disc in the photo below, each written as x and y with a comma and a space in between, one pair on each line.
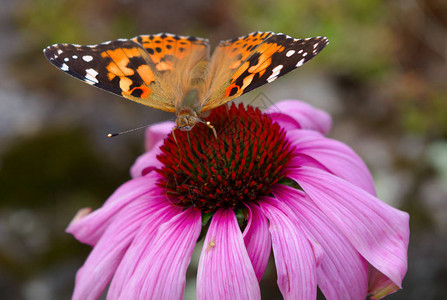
244, 162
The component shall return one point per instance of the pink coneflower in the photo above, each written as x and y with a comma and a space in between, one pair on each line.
268, 181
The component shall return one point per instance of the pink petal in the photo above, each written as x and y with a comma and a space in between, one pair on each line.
89, 229
294, 255
342, 272
80, 214
380, 285
257, 240
225, 270
138, 250
379, 232
161, 273
156, 133
336, 157
147, 162
295, 114
98, 269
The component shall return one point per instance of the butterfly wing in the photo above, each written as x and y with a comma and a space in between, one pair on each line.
243, 64
133, 68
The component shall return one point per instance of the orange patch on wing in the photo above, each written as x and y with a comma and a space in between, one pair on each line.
183, 48
230, 90
247, 80
146, 74
235, 64
132, 52
164, 66
240, 47
241, 70
125, 84
119, 63
145, 91
260, 67
269, 49
263, 66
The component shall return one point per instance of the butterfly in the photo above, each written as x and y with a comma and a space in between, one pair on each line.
176, 73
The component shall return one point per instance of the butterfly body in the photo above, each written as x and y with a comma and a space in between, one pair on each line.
188, 110
176, 73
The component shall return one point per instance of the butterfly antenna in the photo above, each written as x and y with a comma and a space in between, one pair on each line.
208, 124
127, 131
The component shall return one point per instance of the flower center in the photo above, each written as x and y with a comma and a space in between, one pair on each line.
244, 162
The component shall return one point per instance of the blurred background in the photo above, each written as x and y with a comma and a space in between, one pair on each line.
383, 78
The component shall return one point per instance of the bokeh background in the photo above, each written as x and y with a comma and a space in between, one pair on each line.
383, 78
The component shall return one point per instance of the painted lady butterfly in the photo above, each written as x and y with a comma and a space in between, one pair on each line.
176, 74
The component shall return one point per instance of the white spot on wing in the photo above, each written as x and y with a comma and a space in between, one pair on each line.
300, 63
64, 67
87, 58
66, 59
91, 75
275, 73
74, 56
290, 53
59, 51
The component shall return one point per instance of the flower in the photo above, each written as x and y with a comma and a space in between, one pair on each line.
269, 181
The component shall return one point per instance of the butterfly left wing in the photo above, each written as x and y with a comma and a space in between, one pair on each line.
120, 66
254, 60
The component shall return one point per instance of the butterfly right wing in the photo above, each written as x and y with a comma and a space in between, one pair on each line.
133, 68
243, 64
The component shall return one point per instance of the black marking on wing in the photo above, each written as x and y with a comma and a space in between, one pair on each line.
296, 53
87, 64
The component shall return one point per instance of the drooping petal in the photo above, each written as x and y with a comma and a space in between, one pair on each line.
147, 162
138, 250
295, 114
379, 232
335, 156
161, 273
225, 270
342, 272
295, 259
379, 285
98, 269
257, 240
157, 133
89, 229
